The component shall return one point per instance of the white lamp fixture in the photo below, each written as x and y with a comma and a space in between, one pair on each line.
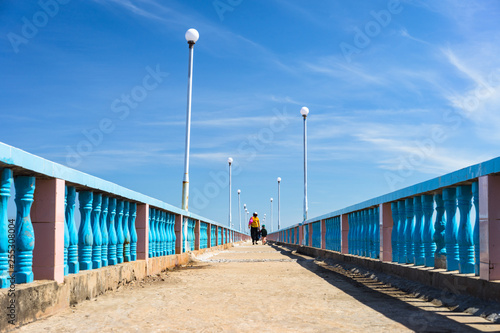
192, 36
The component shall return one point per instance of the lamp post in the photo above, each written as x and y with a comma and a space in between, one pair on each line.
192, 36
230, 161
239, 207
279, 217
304, 112
272, 228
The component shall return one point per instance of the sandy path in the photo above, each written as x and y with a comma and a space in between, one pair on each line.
257, 289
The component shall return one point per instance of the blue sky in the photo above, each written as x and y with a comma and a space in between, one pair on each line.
398, 92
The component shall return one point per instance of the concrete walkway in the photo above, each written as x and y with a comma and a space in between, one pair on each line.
257, 288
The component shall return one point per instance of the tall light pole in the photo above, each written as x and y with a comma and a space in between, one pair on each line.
272, 227
230, 161
279, 217
192, 36
239, 207
304, 112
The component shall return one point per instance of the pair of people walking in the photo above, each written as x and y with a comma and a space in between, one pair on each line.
255, 231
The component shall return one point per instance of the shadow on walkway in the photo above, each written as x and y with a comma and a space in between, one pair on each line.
397, 310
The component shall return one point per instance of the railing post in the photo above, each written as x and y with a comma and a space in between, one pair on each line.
73, 265
418, 235
5, 185
465, 240
451, 229
209, 235
395, 231
301, 235
323, 234
429, 245
386, 221
48, 224
439, 233
96, 231
178, 233
197, 235
489, 236
126, 232
477, 250
104, 231
119, 231
142, 227
310, 234
112, 232
85, 236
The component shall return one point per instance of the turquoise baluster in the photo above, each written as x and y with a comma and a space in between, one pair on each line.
339, 234
159, 219
104, 231
193, 224
66, 233
5, 184
350, 233
164, 231
402, 232
369, 233
126, 232
73, 265
439, 228
377, 233
359, 229
366, 231
150, 235
410, 227
167, 233
173, 236
220, 236
133, 232
395, 231
465, 237
451, 230
152, 232
418, 236
158, 233
113, 238
362, 229
25, 235
85, 236
428, 227
119, 231
475, 196
96, 231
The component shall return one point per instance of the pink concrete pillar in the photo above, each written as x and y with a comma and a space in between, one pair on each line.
217, 235
178, 233
344, 221
209, 235
323, 234
47, 216
197, 235
142, 228
301, 235
385, 220
489, 227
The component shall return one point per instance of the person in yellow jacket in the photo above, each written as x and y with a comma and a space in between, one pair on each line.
254, 225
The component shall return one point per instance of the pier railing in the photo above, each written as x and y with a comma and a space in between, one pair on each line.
116, 224
449, 222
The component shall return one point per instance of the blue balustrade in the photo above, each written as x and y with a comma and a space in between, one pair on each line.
191, 236
113, 239
203, 235
164, 231
465, 236
337, 233
133, 231
126, 232
410, 228
66, 233
402, 232
418, 234
451, 229
173, 235
119, 231
306, 235
85, 236
212, 237
219, 239
160, 234
377, 232
104, 231
5, 185
369, 251
439, 227
96, 231
395, 231
475, 198
428, 230
25, 235
73, 265
316, 234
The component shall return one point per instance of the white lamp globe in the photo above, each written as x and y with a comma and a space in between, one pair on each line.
304, 111
230, 160
239, 191
192, 35
279, 179
271, 199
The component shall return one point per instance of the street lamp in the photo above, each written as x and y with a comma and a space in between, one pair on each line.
239, 207
192, 36
230, 161
304, 112
279, 217
272, 228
